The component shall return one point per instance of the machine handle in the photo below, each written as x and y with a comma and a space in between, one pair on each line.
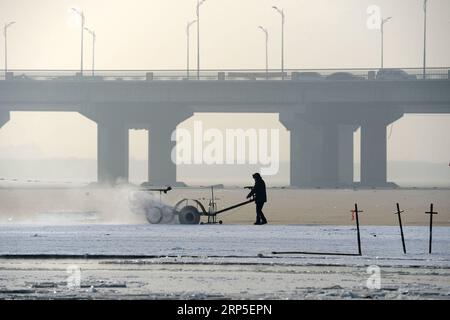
236, 206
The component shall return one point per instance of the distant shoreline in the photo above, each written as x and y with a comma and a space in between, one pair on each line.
201, 187
285, 206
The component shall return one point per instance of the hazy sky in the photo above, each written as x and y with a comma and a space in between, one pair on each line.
150, 34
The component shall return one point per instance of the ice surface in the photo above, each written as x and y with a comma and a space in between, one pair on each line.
380, 245
220, 261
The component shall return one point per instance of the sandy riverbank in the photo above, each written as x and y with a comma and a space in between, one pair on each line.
285, 206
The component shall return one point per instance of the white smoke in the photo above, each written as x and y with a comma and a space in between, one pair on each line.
143, 203
52, 205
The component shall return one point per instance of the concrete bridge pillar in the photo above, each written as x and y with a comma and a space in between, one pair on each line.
321, 154
303, 153
306, 152
4, 118
334, 155
345, 154
328, 174
373, 154
374, 145
161, 169
112, 151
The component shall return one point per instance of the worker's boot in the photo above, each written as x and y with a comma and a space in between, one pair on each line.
263, 220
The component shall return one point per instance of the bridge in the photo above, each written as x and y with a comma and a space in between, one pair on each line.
321, 109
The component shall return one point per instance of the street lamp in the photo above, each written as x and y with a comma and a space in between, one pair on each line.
267, 49
283, 17
425, 2
383, 22
199, 4
188, 28
5, 32
93, 47
81, 14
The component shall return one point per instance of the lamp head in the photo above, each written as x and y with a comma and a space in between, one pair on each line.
386, 20
263, 29
9, 24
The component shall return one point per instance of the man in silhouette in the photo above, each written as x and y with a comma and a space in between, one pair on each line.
259, 191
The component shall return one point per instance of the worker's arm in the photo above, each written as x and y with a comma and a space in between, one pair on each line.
251, 193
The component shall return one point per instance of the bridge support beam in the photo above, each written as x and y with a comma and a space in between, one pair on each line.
334, 158
112, 151
321, 154
373, 154
304, 142
161, 169
328, 173
4, 118
374, 145
345, 154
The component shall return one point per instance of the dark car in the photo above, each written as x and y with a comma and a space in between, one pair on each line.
307, 75
394, 74
343, 76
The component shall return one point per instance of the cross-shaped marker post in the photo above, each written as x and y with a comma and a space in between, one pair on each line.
356, 213
431, 213
399, 213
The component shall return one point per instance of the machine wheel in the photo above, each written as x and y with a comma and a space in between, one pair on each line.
189, 215
154, 215
168, 215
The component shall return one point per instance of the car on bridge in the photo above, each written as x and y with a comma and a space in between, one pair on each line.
343, 76
394, 74
255, 75
22, 76
307, 76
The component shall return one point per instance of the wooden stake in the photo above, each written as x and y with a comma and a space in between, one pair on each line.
399, 213
431, 213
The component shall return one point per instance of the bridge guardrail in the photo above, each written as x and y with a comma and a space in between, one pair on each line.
228, 75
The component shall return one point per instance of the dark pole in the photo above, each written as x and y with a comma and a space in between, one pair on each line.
188, 28
357, 228
92, 33
424, 38
399, 213
187, 46
82, 36
282, 45
431, 229
382, 45
199, 3
6, 49
431, 213
83, 20
383, 22
283, 17
5, 32
266, 33
93, 53
267, 54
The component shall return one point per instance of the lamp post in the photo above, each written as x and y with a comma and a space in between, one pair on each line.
199, 4
5, 32
267, 49
425, 2
383, 22
188, 28
81, 14
93, 47
283, 18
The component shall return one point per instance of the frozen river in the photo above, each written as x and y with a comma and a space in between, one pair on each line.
220, 261
379, 244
